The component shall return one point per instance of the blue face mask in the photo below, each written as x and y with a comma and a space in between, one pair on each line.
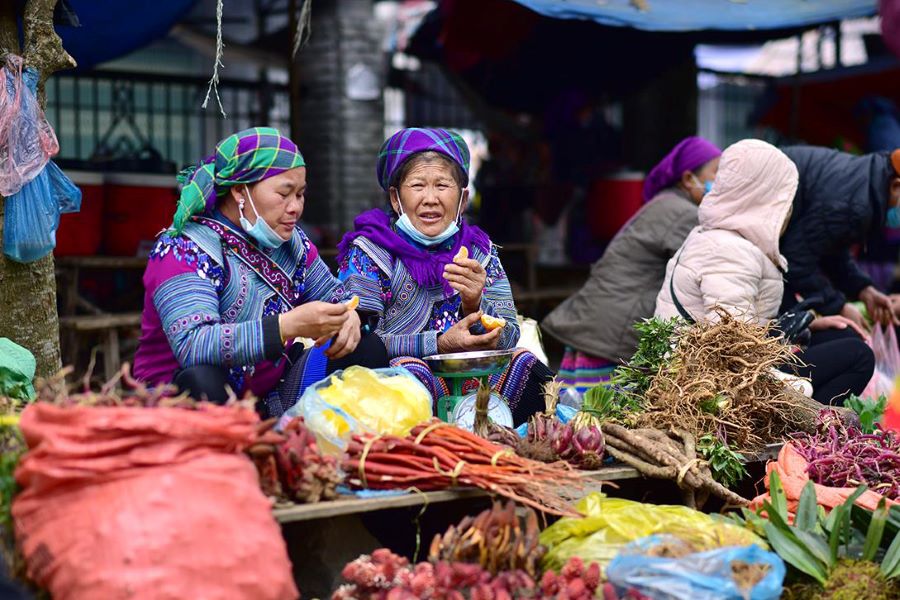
893, 217
260, 231
406, 226
707, 185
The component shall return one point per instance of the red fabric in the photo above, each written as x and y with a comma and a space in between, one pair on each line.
791, 468
144, 503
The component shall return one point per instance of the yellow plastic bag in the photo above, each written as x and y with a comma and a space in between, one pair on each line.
611, 523
357, 400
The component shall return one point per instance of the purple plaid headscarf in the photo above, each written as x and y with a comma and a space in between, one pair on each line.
689, 154
401, 146
426, 267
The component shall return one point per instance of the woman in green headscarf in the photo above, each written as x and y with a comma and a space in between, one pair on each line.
235, 280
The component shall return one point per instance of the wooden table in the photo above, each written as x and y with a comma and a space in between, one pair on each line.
352, 505
107, 325
323, 537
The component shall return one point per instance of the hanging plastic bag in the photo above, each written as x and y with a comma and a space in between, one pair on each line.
30, 221
357, 400
733, 573
27, 141
609, 524
32, 214
887, 362
65, 193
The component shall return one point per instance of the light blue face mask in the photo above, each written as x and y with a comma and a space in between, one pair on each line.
260, 231
406, 226
893, 217
707, 185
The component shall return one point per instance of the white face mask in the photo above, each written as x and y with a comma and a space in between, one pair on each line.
406, 226
259, 231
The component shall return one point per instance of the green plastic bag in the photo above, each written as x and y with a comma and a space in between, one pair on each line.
17, 366
611, 523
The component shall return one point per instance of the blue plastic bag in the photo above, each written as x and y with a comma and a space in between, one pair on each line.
563, 412
697, 576
32, 214
66, 194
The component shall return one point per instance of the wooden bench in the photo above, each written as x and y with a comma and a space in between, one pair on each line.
108, 326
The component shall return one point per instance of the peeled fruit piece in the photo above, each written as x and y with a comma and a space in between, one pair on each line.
491, 323
461, 255
352, 303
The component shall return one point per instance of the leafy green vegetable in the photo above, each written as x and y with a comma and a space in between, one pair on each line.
654, 348
727, 466
869, 411
817, 545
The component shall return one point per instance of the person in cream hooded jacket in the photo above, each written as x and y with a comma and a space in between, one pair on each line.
732, 260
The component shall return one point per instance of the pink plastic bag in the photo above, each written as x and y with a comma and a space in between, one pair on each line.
887, 362
27, 141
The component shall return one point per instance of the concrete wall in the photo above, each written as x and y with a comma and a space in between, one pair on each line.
340, 136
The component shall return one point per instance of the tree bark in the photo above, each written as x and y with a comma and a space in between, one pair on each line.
28, 291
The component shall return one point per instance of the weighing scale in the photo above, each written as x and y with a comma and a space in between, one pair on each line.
456, 369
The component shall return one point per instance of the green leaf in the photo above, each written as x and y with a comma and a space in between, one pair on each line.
807, 511
890, 564
875, 532
795, 553
776, 492
836, 530
817, 545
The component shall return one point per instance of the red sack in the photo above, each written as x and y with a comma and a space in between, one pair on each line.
791, 468
146, 503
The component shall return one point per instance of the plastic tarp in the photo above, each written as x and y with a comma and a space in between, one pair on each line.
698, 15
113, 28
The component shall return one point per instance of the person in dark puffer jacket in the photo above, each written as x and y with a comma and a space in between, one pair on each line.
841, 199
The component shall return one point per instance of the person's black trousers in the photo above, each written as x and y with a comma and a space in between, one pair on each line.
838, 363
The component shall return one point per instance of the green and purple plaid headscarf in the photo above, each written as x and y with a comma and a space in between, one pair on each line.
401, 146
247, 156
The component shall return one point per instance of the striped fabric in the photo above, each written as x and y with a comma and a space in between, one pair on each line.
210, 304
510, 383
244, 157
582, 371
398, 148
411, 316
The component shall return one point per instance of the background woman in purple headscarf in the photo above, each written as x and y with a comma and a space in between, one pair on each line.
597, 323
400, 262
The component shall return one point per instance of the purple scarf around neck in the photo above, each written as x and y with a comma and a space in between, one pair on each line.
425, 267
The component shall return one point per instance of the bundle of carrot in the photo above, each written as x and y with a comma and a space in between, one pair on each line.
437, 456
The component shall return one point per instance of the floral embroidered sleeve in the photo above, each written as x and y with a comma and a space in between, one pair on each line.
316, 280
497, 301
362, 277
185, 285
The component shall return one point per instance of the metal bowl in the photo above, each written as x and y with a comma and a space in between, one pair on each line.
488, 361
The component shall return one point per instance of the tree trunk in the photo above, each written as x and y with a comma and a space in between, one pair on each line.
28, 291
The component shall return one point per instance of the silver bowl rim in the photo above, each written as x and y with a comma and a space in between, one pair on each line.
470, 355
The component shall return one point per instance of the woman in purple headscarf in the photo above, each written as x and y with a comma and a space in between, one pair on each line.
597, 323
404, 263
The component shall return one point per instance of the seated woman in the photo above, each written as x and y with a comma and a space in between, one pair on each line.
401, 265
597, 323
732, 260
235, 280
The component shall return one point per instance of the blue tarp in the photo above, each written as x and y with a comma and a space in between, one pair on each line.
113, 28
699, 15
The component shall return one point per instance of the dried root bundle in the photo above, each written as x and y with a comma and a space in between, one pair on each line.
720, 381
